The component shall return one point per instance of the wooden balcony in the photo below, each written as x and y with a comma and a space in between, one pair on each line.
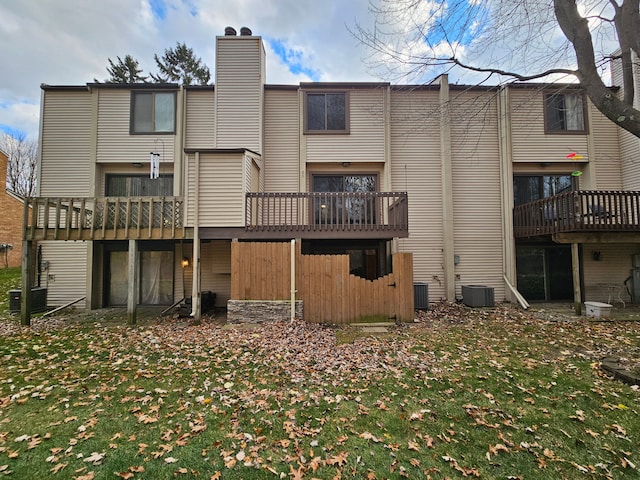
103, 218
585, 211
335, 215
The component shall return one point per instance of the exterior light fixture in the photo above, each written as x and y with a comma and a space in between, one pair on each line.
185, 262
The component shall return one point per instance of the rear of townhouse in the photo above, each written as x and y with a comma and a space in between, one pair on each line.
359, 169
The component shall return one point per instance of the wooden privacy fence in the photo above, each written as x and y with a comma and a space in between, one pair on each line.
262, 271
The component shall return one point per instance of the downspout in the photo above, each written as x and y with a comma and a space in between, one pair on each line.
446, 156
195, 282
293, 279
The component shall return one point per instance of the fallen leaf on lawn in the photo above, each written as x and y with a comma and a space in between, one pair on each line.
170, 460
339, 459
57, 467
95, 458
88, 476
125, 475
413, 446
578, 416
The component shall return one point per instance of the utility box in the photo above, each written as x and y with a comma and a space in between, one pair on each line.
421, 296
38, 300
598, 309
478, 296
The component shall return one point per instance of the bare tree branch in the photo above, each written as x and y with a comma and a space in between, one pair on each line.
521, 40
517, 76
22, 155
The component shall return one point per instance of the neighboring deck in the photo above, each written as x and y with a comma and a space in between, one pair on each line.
104, 218
347, 215
335, 215
584, 211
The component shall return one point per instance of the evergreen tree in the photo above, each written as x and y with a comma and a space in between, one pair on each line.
126, 71
180, 65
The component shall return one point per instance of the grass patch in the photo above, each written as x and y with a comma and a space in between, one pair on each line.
496, 396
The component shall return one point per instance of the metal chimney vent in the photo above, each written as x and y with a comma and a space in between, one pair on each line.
245, 32
230, 32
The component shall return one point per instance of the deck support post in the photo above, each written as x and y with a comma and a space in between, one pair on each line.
132, 293
25, 298
575, 264
196, 299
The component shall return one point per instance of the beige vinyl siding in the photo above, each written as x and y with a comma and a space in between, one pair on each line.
630, 158
282, 139
66, 279
239, 92
200, 119
115, 143
530, 142
416, 169
365, 141
216, 270
477, 204
629, 144
65, 168
221, 190
606, 152
613, 268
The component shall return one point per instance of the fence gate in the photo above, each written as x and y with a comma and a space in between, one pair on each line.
262, 271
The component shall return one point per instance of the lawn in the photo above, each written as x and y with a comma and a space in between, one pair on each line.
492, 393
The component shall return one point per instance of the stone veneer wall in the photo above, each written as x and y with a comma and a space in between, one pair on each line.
258, 311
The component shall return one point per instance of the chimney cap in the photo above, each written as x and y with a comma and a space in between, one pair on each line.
230, 31
245, 32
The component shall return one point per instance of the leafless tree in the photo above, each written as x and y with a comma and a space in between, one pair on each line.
22, 155
513, 40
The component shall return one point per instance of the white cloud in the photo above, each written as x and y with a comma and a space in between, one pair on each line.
68, 42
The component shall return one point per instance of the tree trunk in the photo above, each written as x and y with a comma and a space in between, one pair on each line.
576, 29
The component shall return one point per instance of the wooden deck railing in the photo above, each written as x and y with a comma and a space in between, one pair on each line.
328, 214
579, 211
103, 218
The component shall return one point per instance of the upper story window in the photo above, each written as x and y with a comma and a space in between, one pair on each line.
564, 112
326, 112
153, 112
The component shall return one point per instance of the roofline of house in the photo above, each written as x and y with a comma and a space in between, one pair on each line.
116, 86
220, 150
13, 194
318, 85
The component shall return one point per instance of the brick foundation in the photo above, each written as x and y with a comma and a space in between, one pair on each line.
258, 311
